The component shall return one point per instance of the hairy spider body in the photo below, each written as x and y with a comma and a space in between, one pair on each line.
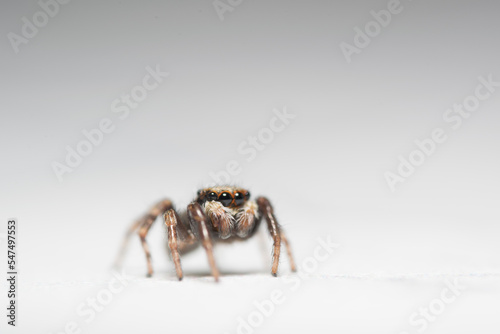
217, 214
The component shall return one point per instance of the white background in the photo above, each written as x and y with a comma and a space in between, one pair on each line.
324, 172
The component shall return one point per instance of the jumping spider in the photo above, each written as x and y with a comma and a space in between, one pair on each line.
221, 213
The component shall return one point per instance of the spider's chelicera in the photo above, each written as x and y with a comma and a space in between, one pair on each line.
222, 213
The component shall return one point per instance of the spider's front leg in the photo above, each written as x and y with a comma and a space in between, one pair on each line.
266, 211
178, 236
199, 222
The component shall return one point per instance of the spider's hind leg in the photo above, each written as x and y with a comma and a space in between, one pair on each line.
142, 227
132, 229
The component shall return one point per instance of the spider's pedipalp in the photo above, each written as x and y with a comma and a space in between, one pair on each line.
221, 217
246, 218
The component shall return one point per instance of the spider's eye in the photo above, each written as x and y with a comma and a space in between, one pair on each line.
247, 195
225, 198
212, 196
239, 199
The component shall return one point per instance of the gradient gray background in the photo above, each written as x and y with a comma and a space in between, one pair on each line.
324, 172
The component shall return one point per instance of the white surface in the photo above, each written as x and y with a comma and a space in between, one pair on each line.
322, 304
368, 285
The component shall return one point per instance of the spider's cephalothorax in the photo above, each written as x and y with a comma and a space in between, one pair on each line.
230, 210
217, 213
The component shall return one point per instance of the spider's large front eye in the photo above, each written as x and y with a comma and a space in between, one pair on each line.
225, 198
239, 199
212, 196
